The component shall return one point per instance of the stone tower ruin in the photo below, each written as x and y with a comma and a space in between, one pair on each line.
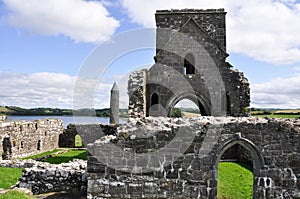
190, 63
114, 105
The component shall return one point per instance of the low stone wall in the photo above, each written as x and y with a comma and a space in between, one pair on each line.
44, 177
24, 138
178, 158
18, 163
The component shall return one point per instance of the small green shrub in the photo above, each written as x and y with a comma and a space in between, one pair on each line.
176, 112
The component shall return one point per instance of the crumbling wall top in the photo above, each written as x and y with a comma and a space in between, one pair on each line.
181, 11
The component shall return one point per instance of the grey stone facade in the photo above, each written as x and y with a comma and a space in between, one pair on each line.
190, 63
23, 138
178, 158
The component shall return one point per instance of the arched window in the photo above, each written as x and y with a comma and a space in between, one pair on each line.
228, 104
7, 148
189, 64
154, 99
38, 147
14, 143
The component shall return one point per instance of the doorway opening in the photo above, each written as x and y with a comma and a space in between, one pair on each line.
235, 173
7, 148
185, 108
78, 141
38, 146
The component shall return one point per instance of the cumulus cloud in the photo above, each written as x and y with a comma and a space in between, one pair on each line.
57, 90
264, 30
82, 21
278, 93
49, 90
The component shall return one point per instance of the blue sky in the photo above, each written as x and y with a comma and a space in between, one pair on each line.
45, 43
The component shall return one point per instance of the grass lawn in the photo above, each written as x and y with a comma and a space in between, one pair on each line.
15, 195
78, 142
41, 154
278, 116
68, 156
9, 177
235, 181
189, 115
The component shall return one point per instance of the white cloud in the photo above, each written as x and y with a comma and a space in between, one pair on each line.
264, 30
297, 69
82, 21
57, 90
278, 93
49, 90
36, 90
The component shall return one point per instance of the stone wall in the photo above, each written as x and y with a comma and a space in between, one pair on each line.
214, 86
178, 158
23, 138
42, 177
137, 94
211, 20
88, 133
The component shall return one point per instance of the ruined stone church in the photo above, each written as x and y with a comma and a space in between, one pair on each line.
190, 63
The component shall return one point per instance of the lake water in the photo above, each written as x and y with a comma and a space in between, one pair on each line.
66, 119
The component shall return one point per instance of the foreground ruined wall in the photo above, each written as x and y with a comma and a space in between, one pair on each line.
23, 138
178, 158
42, 177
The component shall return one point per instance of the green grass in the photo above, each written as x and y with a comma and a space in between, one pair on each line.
15, 195
235, 181
278, 116
41, 154
68, 156
78, 142
9, 177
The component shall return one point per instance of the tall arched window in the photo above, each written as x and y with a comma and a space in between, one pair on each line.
38, 147
189, 64
154, 99
228, 104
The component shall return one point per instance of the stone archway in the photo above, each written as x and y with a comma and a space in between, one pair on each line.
202, 103
7, 148
258, 159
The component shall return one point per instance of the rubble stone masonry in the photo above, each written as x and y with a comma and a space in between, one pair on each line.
24, 138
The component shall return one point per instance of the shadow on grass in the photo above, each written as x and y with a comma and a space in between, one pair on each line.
67, 157
249, 167
62, 195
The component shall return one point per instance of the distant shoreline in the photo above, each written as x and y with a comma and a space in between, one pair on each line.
18, 111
